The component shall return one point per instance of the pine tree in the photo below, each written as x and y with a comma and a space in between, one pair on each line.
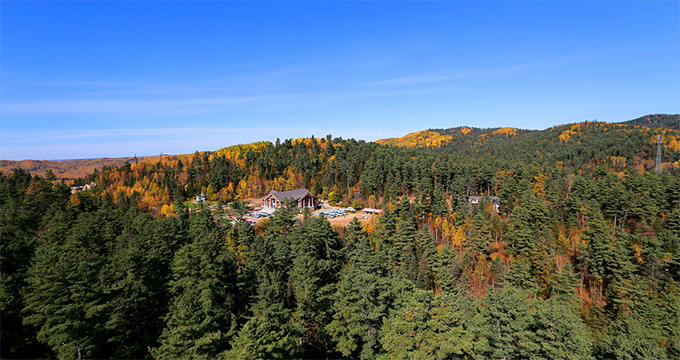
563, 285
425, 326
312, 281
65, 293
559, 331
479, 236
20, 221
405, 246
439, 204
542, 263
670, 321
598, 240
363, 298
614, 198
629, 338
195, 326
425, 252
134, 283
558, 327
519, 275
268, 334
447, 270
201, 320
521, 234
581, 193
506, 325
671, 236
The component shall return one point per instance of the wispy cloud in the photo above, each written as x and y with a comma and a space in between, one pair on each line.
70, 83
9, 137
496, 72
202, 105
273, 90
123, 106
444, 76
74, 144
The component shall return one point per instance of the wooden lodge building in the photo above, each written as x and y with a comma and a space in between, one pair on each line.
303, 197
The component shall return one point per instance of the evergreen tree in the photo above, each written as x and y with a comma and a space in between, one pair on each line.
542, 262
20, 221
65, 292
201, 320
521, 235
425, 251
448, 271
598, 250
563, 285
193, 328
439, 204
580, 194
405, 245
479, 236
363, 298
671, 239
134, 281
506, 325
558, 327
269, 333
425, 326
630, 338
669, 319
312, 280
519, 275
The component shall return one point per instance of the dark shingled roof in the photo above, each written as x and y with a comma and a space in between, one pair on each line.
296, 194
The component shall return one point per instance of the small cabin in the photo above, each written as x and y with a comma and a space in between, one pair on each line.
496, 201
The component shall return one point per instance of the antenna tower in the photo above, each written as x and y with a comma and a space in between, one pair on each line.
658, 154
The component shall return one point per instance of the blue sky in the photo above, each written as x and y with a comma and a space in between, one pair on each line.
95, 79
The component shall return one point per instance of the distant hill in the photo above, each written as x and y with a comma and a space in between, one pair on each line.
629, 142
656, 121
463, 137
70, 169
459, 138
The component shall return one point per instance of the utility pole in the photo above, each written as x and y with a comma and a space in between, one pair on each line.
658, 154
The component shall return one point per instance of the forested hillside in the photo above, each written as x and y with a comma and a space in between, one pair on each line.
588, 141
581, 261
658, 120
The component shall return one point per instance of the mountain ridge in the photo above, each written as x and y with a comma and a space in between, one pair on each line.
438, 135
463, 138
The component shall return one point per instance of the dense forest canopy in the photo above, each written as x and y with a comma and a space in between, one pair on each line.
581, 260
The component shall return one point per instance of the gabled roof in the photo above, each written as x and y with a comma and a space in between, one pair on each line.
296, 194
